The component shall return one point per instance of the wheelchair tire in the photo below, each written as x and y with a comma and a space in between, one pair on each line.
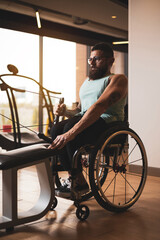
126, 169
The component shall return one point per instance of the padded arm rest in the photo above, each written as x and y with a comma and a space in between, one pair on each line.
21, 156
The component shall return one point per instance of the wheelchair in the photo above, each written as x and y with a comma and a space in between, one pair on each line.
115, 169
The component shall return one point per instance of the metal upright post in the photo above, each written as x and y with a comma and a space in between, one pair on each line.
41, 82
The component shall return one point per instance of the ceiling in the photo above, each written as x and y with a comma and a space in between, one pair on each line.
89, 15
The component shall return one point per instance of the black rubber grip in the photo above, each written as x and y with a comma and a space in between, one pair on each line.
45, 138
56, 120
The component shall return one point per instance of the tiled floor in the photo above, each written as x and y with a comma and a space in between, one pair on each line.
141, 222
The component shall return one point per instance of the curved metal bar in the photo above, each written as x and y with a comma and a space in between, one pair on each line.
50, 109
46, 104
17, 75
13, 118
17, 117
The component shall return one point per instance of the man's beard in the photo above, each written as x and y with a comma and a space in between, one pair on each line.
97, 73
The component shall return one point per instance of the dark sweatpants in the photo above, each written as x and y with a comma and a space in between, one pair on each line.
88, 136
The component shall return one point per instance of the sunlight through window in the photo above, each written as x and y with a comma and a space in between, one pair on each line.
60, 67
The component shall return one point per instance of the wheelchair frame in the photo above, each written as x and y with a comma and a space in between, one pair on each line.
112, 159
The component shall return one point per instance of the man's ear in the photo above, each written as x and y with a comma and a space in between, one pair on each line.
111, 61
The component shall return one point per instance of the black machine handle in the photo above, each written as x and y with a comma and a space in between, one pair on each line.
45, 138
56, 120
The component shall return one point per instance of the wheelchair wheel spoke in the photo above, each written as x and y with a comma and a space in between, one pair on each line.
119, 158
125, 178
130, 163
125, 190
114, 187
85, 172
130, 152
109, 184
111, 170
133, 174
122, 155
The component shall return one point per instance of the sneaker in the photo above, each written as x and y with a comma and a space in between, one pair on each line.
64, 190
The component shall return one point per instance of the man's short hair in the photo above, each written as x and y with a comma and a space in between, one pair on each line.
106, 48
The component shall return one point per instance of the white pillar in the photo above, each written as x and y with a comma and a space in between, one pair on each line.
144, 74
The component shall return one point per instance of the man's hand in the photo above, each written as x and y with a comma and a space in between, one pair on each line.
60, 110
61, 140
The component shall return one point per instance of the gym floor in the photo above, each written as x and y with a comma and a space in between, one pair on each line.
140, 222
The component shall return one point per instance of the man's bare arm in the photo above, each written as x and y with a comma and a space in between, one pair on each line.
114, 92
63, 111
71, 112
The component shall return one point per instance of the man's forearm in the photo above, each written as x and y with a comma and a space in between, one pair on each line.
91, 116
70, 113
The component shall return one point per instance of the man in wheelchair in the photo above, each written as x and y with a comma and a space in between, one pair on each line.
102, 101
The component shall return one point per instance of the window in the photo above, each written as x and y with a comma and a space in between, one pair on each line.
64, 70
21, 50
59, 62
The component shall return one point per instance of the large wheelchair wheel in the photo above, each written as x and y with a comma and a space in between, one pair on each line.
122, 155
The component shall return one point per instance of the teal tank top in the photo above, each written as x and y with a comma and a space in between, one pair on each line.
89, 93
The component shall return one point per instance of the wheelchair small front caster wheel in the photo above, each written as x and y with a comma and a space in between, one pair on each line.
54, 204
82, 212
